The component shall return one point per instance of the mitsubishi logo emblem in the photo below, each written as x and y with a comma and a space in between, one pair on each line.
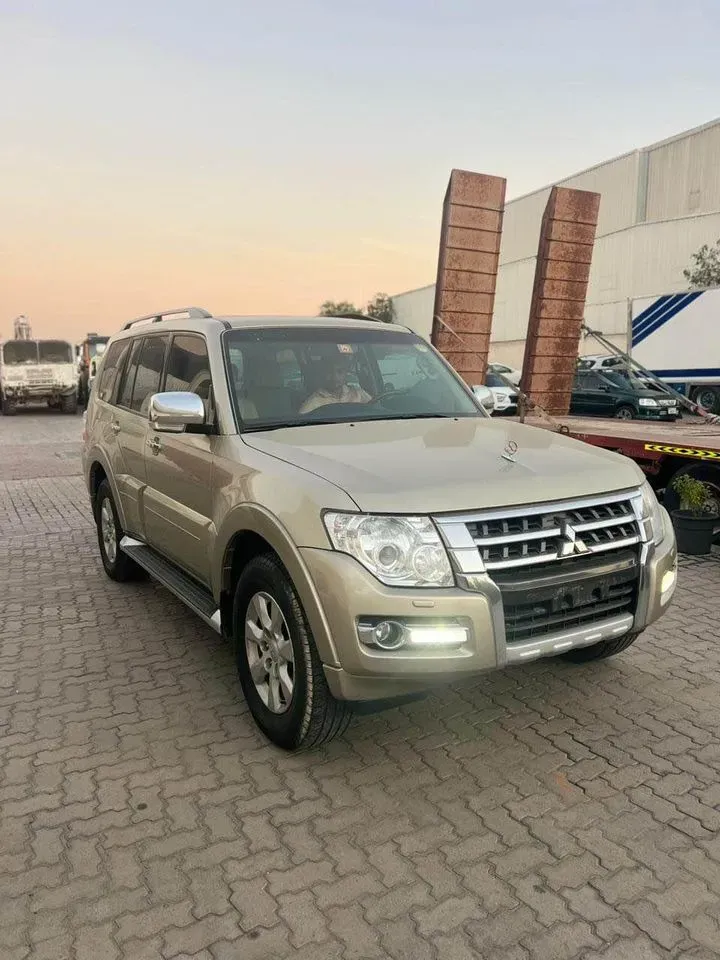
570, 543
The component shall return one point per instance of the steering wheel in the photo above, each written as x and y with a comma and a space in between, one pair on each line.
391, 393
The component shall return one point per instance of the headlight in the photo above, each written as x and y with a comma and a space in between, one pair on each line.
648, 402
652, 511
399, 551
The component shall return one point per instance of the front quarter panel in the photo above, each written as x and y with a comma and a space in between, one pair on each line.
258, 493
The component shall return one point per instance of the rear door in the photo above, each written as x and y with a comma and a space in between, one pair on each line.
141, 379
179, 467
594, 396
581, 400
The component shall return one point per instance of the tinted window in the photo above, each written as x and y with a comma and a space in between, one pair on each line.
128, 381
112, 368
492, 380
55, 351
149, 371
188, 367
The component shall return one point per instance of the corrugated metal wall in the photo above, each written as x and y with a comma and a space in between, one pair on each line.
414, 309
684, 176
658, 206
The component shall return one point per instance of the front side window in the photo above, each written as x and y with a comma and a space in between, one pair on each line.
149, 372
188, 366
17, 353
188, 369
55, 351
299, 376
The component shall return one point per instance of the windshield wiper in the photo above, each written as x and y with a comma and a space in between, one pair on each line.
320, 421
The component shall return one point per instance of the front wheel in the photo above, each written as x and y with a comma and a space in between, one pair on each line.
69, 404
602, 650
118, 566
279, 667
625, 412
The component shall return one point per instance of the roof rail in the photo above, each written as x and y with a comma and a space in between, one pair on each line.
192, 313
360, 316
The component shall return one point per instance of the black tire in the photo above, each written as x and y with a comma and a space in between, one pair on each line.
118, 567
625, 412
8, 408
313, 716
602, 650
707, 397
69, 404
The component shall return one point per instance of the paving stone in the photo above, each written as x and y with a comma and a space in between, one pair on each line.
543, 810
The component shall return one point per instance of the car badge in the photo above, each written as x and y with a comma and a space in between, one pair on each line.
511, 449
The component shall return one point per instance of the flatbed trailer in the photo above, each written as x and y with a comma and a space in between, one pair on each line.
662, 450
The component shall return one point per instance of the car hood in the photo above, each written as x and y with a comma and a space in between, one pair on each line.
441, 466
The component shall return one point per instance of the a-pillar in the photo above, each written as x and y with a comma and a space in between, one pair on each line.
557, 308
467, 271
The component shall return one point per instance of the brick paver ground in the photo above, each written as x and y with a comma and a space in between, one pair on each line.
545, 813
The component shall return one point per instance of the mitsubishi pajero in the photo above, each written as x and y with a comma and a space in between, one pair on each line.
329, 495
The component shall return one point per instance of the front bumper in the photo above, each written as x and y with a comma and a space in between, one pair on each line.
657, 413
349, 594
27, 393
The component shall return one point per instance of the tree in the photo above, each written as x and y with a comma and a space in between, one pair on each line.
381, 307
704, 270
340, 308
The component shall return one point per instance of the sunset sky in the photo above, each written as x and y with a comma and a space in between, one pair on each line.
260, 157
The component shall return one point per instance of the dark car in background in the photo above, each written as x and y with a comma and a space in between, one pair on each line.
623, 396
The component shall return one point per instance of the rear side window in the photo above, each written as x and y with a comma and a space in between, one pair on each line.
149, 372
128, 381
111, 369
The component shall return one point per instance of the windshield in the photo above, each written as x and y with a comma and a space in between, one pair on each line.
18, 352
493, 380
299, 376
55, 351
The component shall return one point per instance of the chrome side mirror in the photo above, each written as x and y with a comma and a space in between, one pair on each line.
172, 412
485, 396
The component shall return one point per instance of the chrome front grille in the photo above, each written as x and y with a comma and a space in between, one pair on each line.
540, 534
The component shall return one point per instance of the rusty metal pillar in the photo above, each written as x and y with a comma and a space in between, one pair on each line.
467, 271
567, 236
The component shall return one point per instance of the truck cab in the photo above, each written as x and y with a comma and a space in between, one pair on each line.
37, 371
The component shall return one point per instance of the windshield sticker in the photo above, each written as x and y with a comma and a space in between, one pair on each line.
345, 347
421, 348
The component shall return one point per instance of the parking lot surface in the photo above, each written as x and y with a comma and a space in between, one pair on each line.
551, 812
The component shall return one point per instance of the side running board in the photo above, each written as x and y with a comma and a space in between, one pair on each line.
196, 597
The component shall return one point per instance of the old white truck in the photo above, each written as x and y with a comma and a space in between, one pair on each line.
38, 371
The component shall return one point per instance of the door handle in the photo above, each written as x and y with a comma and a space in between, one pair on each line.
115, 427
155, 445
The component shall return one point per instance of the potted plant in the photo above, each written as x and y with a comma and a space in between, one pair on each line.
696, 516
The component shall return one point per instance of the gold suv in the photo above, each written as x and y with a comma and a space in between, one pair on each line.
330, 496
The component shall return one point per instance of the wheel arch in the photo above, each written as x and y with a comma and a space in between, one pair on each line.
96, 471
250, 531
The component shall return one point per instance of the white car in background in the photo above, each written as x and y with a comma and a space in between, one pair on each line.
504, 398
510, 373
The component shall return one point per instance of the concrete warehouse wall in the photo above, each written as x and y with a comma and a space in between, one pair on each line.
658, 205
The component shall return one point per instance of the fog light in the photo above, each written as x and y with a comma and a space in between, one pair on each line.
394, 634
667, 586
389, 635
